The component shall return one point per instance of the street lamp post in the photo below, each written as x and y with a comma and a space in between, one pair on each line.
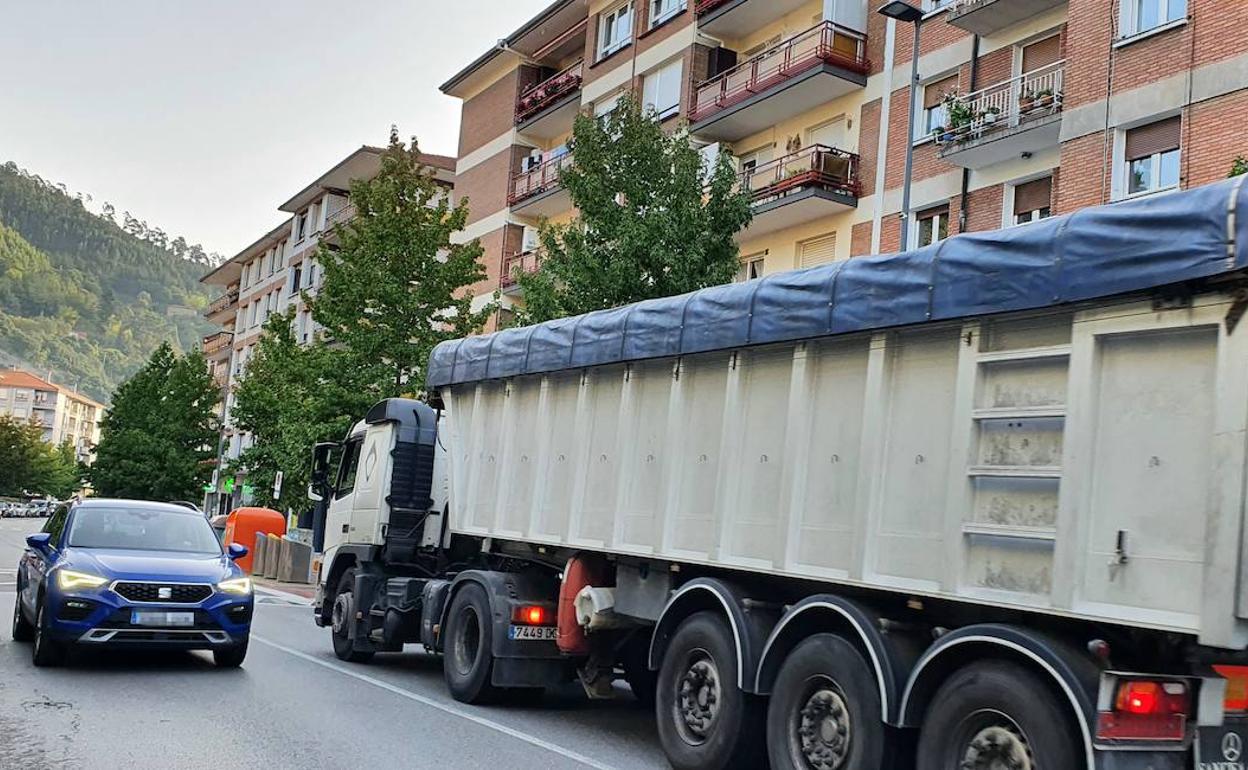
905, 12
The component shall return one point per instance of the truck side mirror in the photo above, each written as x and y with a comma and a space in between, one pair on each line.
321, 454
314, 494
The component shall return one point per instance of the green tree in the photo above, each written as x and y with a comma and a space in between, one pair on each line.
29, 465
291, 397
56, 471
653, 219
159, 435
398, 285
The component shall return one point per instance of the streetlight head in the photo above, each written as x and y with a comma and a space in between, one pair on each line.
901, 11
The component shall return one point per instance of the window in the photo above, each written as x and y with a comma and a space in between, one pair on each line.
817, 251
662, 10
615, 29
1032, 200
316, 220
755, 158
1139, 16
347, 468
661, 90
934, 115
602, 108
933, 226
301, 227
1151, 156
296, 274
751, 267
55, 524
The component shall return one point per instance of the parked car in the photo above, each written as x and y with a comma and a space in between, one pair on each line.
129, 573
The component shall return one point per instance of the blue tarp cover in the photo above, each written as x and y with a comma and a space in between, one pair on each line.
1095, 252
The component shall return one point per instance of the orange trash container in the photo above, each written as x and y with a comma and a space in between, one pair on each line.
242, 525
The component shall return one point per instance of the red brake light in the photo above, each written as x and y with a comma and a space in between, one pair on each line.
532, 614
1139, 698
1146, 710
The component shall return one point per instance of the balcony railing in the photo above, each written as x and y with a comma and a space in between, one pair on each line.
538, 97
516, 264
528, 184
340, 216
824, 43
1007, 104
817, 166
215, 343
223, 302
706, 6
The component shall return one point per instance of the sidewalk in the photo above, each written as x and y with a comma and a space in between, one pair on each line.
289, 590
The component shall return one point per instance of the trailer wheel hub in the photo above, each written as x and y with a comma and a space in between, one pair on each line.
344, 609
999, 746
823, 728
698, 699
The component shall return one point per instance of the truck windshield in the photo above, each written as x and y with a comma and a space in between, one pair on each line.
142, 530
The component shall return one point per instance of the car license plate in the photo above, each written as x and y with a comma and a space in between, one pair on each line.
1222, 748
161, 619
533, 633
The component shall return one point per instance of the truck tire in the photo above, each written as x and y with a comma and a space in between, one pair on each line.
704, 719
997, 714
825, 709
343, 615
634, 658
468, 650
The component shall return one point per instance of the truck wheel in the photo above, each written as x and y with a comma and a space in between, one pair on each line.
343, 616
825, 709
468, 654
704, 719
634, 658
996, 714
23, 630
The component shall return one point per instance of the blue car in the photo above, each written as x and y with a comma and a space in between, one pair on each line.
128, 573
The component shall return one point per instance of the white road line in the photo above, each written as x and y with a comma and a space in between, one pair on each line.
452, 710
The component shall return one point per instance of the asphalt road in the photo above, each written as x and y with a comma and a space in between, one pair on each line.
291, 705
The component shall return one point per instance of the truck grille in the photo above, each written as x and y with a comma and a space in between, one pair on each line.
177, 593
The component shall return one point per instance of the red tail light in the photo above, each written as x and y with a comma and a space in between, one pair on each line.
530, 614
1146, 710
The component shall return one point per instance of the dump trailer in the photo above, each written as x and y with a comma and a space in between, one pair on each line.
978, 506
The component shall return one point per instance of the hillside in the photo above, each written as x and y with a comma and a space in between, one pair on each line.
85, 298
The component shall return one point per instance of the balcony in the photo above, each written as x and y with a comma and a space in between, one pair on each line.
547, 109
215, 345
812, 183
339, 217
538, 191
221, 378
987, 17
1003, 121
821, 64
737, 18
515, 265
222, 306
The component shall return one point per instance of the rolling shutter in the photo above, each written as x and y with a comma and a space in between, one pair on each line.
1153, 138
1033, 195
933, 93
1042, 53
817, 251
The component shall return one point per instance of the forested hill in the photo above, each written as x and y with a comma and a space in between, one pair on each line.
84, 297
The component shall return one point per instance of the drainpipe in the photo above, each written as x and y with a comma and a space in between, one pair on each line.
966, 172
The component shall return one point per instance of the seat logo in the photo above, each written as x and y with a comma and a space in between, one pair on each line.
1232, 747
165, 592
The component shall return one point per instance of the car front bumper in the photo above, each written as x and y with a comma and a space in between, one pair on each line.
101, 617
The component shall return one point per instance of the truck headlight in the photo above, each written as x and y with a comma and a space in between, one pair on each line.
240, 586
67, 579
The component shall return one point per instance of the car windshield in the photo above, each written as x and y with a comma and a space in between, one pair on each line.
143, 530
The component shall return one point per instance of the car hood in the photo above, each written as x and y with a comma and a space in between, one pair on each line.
173, 566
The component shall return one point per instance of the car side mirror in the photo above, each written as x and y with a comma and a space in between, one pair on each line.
40, 541
236, 550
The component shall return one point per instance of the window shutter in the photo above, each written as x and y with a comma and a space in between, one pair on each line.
1033, 195
933, 93
1153, 138
1042, 53
817, 251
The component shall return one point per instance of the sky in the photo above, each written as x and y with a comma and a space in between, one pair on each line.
202, 117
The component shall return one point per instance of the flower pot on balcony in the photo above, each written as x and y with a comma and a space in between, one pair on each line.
1026, 103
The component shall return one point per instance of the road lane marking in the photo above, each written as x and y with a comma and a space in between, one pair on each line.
443, 707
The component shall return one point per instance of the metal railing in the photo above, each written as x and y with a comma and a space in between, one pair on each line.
818, 165
214, 343
223, 302
706, 6
958, 7
538, 97
826, 42
527, 184
1007, 104
339, 216
518, 263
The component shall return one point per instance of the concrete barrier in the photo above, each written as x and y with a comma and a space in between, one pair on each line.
272, 554
258, 554
295, 562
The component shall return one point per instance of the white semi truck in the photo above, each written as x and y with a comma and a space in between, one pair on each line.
978, 506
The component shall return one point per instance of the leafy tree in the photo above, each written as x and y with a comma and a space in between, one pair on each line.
653, 219
398, 285
157, 438
291, 397
29, 465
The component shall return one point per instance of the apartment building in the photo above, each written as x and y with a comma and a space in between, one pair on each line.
1023, 109
64, 414
273, 275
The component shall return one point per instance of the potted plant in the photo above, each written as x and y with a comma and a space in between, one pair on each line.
1044, 98
989, 115
960, 116
1026, 101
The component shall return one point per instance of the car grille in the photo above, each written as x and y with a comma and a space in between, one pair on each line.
151, 592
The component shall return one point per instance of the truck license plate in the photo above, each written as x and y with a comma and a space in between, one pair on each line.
162, 619
533, 633
1222, 748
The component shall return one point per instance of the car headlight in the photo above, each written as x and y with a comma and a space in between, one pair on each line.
240, 586
68, 579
